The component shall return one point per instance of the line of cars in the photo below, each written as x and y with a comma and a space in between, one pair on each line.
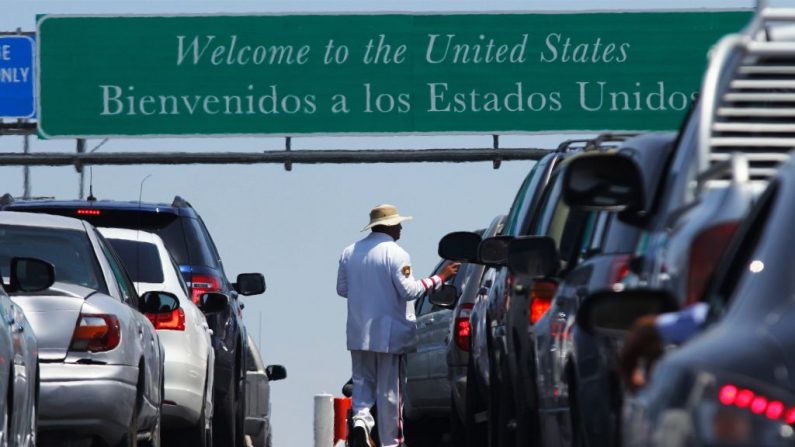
121, 329
608, 230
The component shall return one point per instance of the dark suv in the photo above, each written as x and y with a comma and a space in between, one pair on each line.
189, 242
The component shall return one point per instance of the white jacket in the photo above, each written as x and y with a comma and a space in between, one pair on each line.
375, 275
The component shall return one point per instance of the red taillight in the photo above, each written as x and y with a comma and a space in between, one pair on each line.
84, 212
541, 294
201, 284
730, 395
96, 333
173, 321
619, 268
708, 247
462, 327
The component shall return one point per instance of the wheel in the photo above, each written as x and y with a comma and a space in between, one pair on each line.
6, 423
476, 432
499, 411
240, 415
225, 418
458, 435
201, 434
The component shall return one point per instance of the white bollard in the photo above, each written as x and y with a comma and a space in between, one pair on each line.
324, 420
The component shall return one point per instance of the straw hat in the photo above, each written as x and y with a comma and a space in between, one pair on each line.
385, 215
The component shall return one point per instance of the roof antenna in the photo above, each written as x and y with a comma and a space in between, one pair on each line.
91, 197
138, 234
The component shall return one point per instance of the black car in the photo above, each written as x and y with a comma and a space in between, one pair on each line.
516, 302
189, 242
574, 386
733, 383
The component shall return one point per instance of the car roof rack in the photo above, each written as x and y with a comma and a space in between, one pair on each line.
602, 141
748, 96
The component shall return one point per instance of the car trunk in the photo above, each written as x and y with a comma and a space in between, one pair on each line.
53, 316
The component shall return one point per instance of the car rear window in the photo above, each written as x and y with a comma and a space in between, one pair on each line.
141, 260
69, 251
182, 235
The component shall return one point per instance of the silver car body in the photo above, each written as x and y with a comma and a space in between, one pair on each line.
258, 400
106, 394
18, 375
189, 355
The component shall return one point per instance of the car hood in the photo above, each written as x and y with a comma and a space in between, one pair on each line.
53, 315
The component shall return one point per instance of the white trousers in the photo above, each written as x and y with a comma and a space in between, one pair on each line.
379, 379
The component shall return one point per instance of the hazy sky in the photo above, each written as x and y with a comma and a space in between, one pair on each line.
291, 226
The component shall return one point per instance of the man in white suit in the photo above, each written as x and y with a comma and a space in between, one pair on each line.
375, 275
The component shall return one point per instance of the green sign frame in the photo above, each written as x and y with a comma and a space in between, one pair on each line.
366, 74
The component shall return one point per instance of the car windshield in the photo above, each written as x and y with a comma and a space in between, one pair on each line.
69, 251
141, 259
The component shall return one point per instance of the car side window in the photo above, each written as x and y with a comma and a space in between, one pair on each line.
126, 287
728, 277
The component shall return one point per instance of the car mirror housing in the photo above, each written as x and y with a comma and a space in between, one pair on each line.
158, 303
493, 251
445, 297
460, 246
276, 372
250, 284
612, 314
30, 275
533, 256
213, 303
603, 182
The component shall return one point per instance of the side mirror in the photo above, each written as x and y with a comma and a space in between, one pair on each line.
446, 297
31, 275
533, 256
213, 303
603, 182
158, 303
460, 246
493, 251
276, 372
612, 314
250, 284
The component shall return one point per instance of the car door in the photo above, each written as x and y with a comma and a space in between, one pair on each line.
416, 362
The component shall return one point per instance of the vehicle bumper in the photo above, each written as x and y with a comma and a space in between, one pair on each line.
87, 400
184, 384
458, 385
257, 428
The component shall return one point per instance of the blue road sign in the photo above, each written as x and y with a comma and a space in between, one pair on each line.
17, 87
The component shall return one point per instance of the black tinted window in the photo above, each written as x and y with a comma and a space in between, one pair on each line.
182, 235
141, 260
69, 251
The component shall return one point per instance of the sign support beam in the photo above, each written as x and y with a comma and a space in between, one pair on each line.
83, 159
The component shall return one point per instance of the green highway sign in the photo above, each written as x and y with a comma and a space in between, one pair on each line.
371, 74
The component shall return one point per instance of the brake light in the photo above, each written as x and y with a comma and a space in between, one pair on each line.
173, 321
201, 284
96, 333
730, 395
85, 212
541, 294
708, 247
619, 268
463, 329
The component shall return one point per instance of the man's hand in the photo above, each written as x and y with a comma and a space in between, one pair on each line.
642, 347
449, 271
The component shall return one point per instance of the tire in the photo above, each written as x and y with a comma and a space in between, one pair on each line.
476, 433
130, 439
458, 430
5, 420
200, 435
225, 418
240, 415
